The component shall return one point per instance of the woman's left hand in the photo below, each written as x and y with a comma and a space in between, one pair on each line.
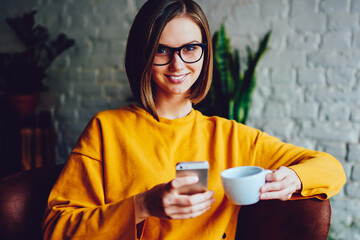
280, 184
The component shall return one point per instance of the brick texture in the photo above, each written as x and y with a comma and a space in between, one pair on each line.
308, 90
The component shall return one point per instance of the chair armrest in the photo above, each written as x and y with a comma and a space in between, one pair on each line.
23, 198
274, 219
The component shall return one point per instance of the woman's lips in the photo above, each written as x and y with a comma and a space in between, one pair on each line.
176, 78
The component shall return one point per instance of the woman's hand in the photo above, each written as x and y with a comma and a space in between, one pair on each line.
281, 184
163, 201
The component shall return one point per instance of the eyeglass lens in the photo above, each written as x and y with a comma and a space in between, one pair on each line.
189, 53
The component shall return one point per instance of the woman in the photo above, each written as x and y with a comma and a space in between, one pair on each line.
119, 181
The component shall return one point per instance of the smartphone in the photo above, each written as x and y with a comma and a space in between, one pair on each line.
200, 169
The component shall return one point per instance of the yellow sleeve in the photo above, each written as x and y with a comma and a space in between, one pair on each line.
77, 207
321, 175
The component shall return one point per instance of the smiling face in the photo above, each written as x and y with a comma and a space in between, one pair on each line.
177, 77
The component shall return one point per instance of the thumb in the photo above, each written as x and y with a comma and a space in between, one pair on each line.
183, 181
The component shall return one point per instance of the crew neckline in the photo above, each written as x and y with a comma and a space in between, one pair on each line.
183, 120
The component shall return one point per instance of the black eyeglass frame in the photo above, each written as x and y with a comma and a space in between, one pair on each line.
178, 49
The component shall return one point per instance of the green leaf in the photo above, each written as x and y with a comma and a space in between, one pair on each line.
232, 88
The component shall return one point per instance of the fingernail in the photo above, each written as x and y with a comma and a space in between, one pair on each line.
262, 196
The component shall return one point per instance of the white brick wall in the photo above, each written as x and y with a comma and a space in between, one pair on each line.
308, 90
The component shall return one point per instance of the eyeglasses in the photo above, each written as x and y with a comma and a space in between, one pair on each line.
189, 53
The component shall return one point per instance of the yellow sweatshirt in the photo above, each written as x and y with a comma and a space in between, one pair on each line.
126, 151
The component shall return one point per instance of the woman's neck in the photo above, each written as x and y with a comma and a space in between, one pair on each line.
176, 107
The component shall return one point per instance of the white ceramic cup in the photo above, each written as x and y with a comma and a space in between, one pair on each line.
242, 184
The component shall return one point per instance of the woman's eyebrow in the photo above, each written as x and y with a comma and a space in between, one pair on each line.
192, 42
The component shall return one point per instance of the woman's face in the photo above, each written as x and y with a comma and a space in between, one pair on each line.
177, 77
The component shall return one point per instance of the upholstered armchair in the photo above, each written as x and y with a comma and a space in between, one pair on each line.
23, 199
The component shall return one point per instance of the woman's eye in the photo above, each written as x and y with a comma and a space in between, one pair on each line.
189, 48
162, 50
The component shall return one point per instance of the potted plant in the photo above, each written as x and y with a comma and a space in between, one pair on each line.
22, 73
232, 87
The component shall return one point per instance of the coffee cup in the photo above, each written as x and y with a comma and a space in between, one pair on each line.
242, 184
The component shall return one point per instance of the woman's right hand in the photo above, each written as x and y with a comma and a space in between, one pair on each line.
164, 201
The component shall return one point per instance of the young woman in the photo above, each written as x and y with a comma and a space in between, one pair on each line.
120, 180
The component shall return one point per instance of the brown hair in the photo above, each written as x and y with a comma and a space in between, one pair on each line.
143, 41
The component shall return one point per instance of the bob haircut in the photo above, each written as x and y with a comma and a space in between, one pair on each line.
143, 41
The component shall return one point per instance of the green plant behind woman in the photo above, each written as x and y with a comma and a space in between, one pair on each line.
232, 87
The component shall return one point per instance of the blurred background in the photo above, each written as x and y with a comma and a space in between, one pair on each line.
307, 83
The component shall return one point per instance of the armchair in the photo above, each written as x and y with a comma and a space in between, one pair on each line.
23, 199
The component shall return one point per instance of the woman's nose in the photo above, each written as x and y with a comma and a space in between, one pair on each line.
176, 62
